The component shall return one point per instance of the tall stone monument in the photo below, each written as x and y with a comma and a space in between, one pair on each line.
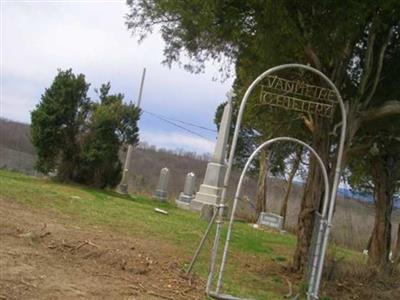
162, 187
123, 186
187, 195
210, 190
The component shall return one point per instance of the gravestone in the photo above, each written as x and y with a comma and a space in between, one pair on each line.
210, 191
187, 195
162, 187
270, 220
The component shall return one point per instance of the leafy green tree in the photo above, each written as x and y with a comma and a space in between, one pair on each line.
112, 124
57, 123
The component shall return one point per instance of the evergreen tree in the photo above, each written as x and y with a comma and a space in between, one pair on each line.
58, 122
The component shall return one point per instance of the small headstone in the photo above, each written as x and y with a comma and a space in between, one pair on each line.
271, 220
187, 195
162, 187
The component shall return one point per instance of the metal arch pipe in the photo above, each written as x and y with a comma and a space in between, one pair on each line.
203, 239
335, 184
239, 187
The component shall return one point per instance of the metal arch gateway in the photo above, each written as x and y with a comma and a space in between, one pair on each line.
218, 214
216, 294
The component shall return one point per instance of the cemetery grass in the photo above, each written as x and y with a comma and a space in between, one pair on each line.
113, 246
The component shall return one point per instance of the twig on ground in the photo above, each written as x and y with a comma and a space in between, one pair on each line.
79, 246
86, 242
45, 234
52, 246
28, 283
188, 290
103, 275
159, 295
290, 293
26, 234
115, 277
92, 244
44, 227
134, 287
66, 245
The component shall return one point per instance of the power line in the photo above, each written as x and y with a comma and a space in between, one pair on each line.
183, 122
176, 125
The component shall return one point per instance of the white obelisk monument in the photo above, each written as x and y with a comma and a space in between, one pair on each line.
210, 190
123, 185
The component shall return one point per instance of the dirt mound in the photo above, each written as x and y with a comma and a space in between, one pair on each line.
43, 256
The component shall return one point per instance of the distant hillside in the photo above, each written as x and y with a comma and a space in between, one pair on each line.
352, 223
16, 149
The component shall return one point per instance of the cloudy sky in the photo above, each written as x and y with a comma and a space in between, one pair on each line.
38, 37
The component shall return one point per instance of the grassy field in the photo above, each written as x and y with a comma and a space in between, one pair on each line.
258, 259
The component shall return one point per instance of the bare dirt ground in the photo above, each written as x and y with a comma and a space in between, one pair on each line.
44, 256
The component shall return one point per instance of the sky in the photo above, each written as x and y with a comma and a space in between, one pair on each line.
39, 37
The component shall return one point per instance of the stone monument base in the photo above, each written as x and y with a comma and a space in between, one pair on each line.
161, 195
207, 195
122, 189
184, 201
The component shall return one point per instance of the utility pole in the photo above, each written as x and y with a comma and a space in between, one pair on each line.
123, 185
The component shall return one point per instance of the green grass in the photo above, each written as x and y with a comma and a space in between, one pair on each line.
135, 216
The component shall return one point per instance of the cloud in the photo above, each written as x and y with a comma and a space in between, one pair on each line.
91, 38
40, 38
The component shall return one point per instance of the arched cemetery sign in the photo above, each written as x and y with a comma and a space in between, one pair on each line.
297, 96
